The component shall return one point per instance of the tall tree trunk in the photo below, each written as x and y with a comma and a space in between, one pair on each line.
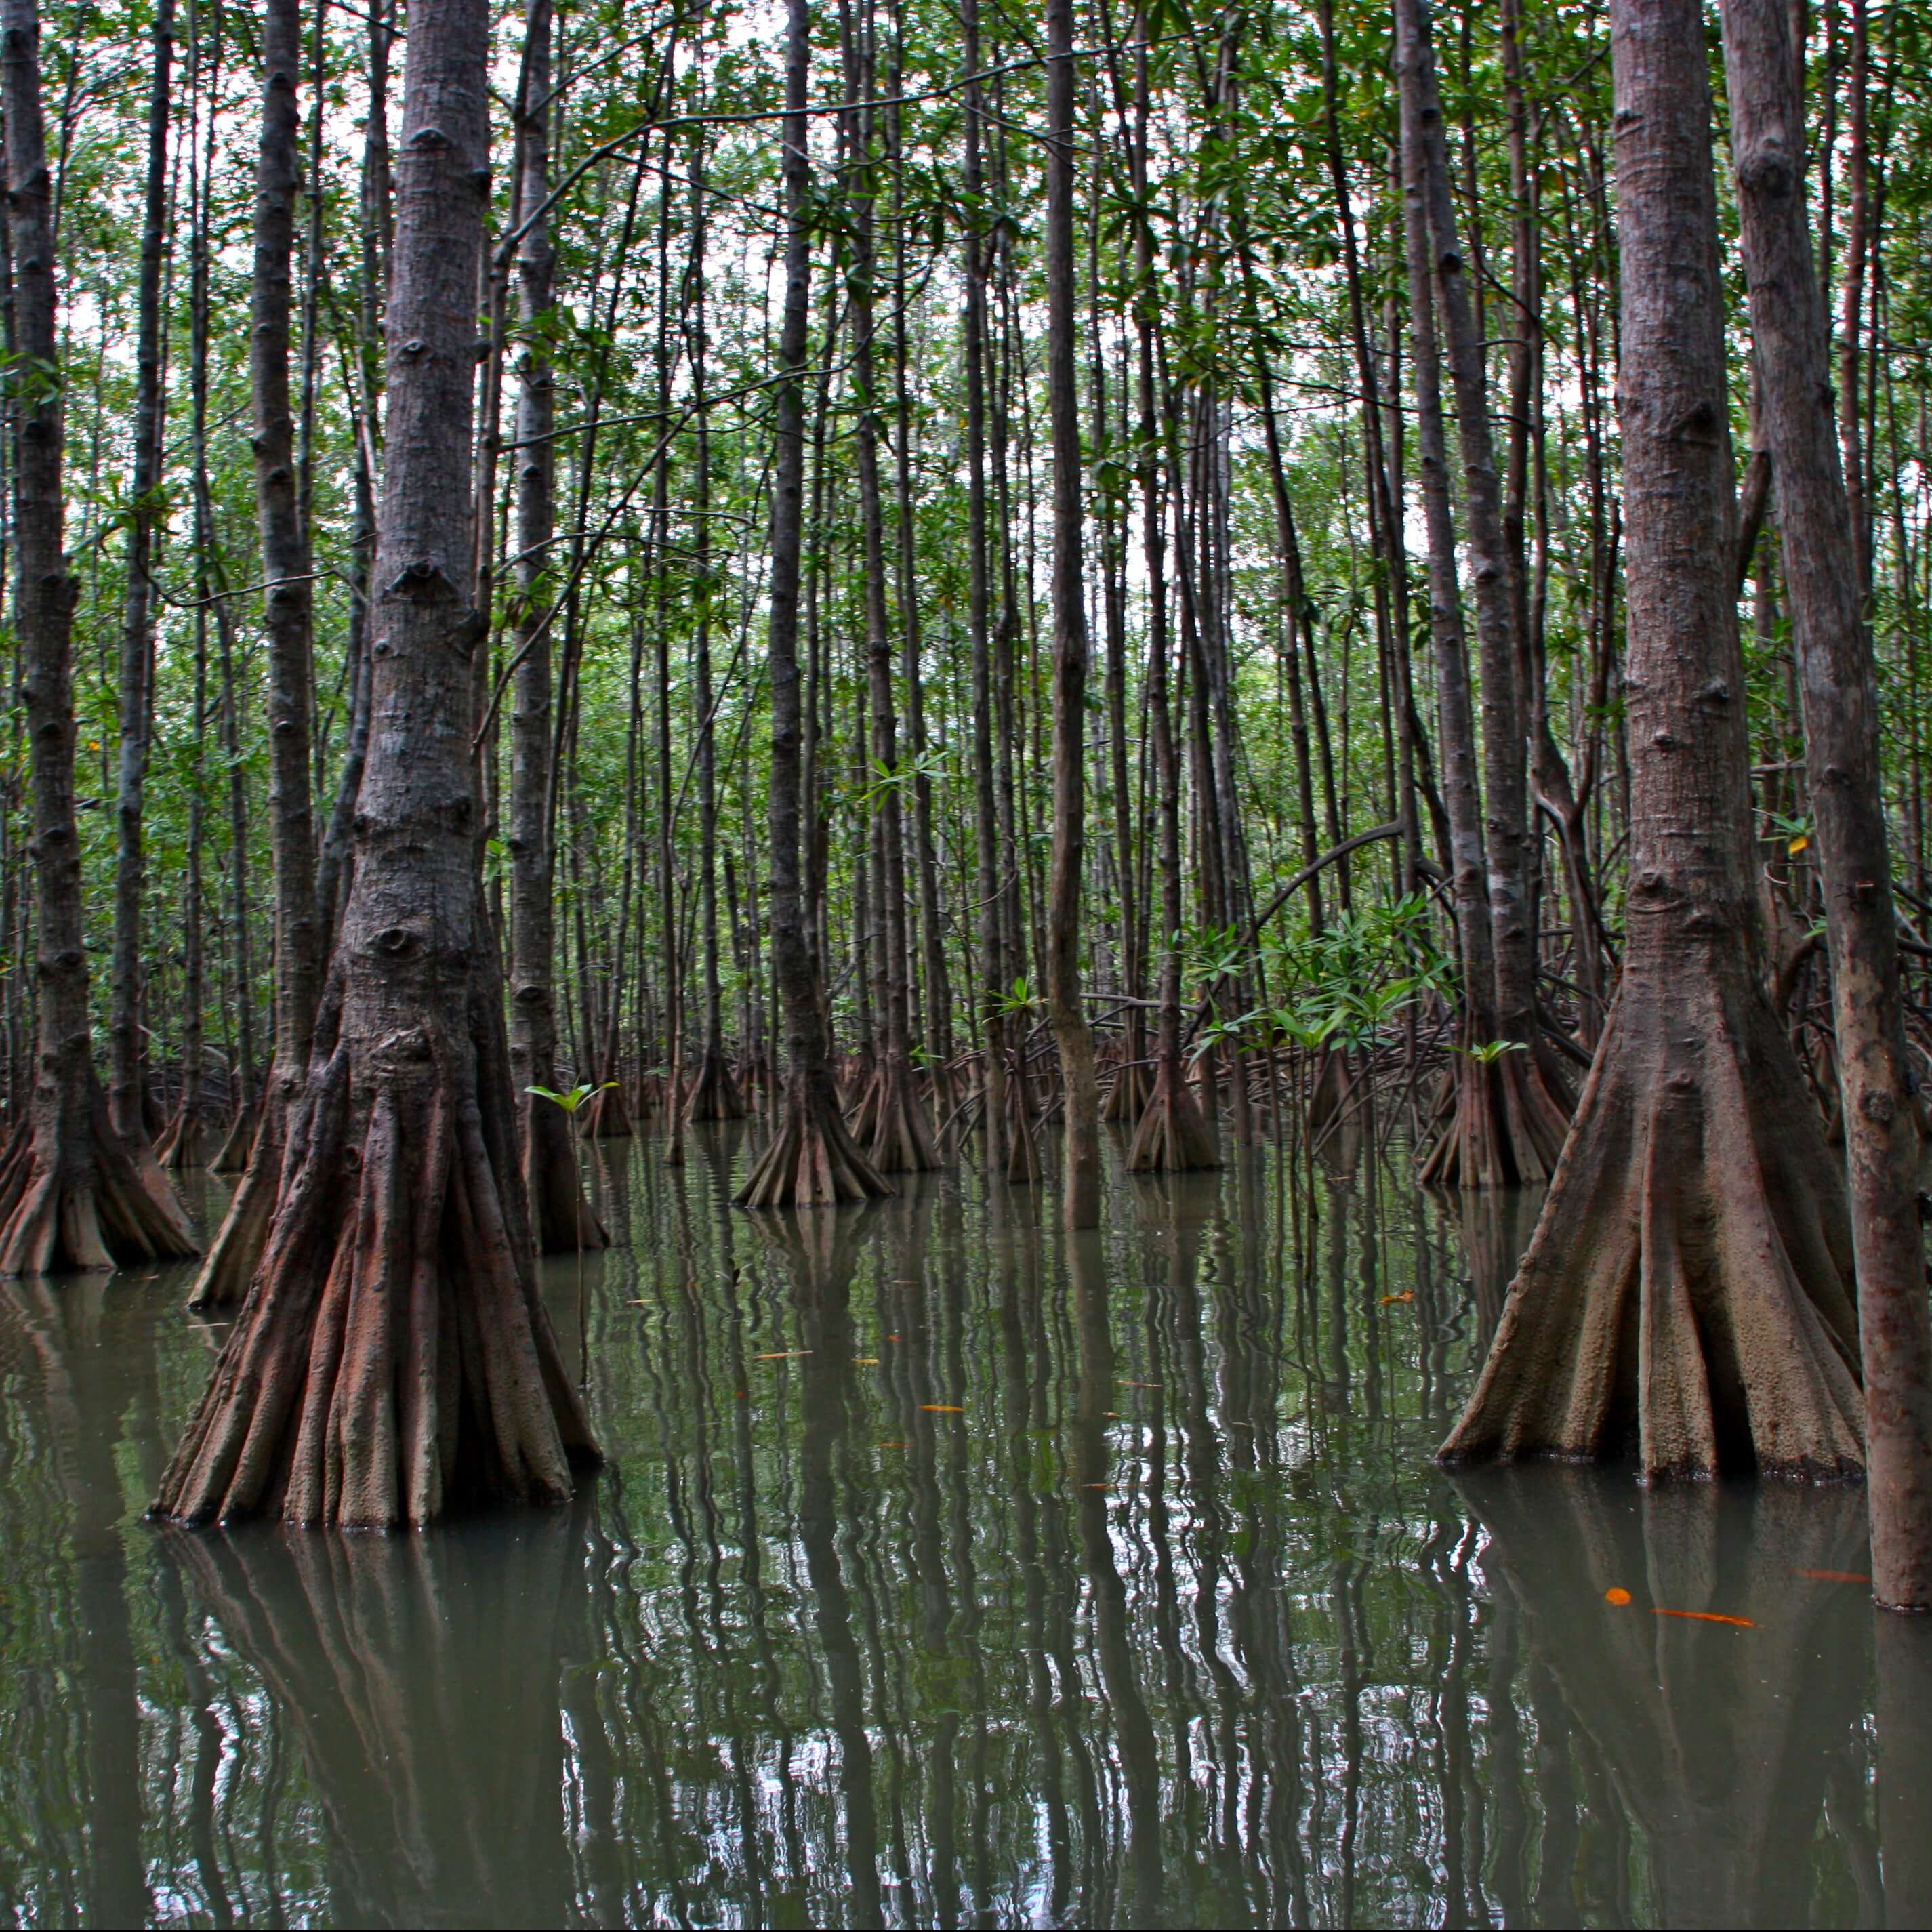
290, 603
393, 1356
995, 979
811, 1158
1688, 1289
714, 1093
1816, 521
561, 1220
1509, 1115
72, 1194
124, 1086
1081, 1201
891, 1123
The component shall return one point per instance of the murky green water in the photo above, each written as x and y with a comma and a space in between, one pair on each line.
946, 1573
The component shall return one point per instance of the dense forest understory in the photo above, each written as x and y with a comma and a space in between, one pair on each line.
950, 582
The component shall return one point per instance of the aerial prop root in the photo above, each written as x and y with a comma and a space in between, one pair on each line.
392, 1356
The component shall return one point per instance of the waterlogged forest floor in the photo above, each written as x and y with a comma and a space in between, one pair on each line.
945, 1571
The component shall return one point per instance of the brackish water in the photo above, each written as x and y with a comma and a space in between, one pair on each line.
947, 1572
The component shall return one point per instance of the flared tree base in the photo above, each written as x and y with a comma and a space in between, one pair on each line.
393, 1359
891, 1124
1507, 1121
813, 1160
237, 1144
562, 1219
1173, 1136
1687, 1295
714, 1094
1127, 1097
84, 1199
184, 1142
606, 1116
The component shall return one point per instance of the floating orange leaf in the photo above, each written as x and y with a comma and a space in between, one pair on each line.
866, 1361
1619, 1596
892, 1338
780, 1354
1407, 1295
1834, 1576
1707, 1617
942, 1409
1140, 1385
892, 1445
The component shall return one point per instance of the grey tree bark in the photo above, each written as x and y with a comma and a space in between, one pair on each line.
1839, 683
1688, 1292
393, 1356
72, 1196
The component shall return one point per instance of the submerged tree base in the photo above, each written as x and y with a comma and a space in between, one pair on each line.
184, 1141
607, 1116
232, 1156
890, 1122
714, 1094
84, 1199
1508, 1120
562, 1219
813, 1160
393, 1357
1173, 1136
1688, 1291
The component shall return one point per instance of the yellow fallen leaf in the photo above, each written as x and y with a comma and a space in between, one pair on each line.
866, 1361
1800, 843
942, 1409
781, 1355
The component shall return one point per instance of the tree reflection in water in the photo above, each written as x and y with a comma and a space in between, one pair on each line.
952, 1567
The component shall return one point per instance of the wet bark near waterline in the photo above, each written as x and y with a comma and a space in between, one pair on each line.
1688, 1292
393, 1358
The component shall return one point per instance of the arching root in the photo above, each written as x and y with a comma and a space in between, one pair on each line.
1507, 1127
393, 1357
812, 1160
1688, 1293
86, 1200
1173, 1136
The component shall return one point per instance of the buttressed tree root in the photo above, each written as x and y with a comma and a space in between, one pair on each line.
74, 1196
561, 1218
1688, 1291
393, 1358
183, 1144
232, 1156
812, 1161
895, 1135
1506, 1128
714, 1095
1173, 1136
607, 1117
